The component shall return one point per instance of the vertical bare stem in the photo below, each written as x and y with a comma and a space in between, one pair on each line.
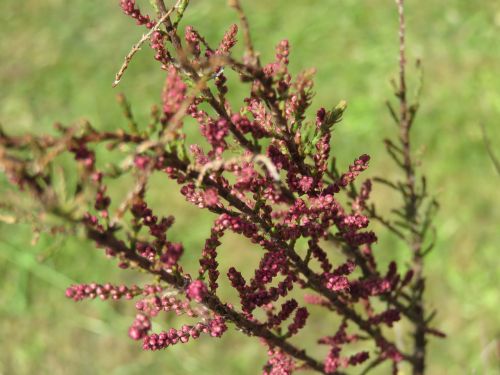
411, 198
250, 51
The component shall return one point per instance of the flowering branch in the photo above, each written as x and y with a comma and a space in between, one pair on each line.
280, 191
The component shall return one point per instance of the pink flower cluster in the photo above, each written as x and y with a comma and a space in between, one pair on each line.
152, 306
156, 341
279, 363
130, 9
197, 291
174, 91
334, 360
228, 41
140, 327
108, 291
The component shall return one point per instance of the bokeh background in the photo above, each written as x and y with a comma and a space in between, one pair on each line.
57, 62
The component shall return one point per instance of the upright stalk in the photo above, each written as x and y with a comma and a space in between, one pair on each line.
411, 199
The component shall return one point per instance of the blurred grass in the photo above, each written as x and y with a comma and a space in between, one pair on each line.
58, 60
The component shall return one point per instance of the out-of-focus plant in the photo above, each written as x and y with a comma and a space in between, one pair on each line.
267, 174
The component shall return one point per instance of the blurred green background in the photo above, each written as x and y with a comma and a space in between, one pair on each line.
58, 60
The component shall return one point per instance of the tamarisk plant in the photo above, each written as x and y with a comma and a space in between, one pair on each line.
267, 174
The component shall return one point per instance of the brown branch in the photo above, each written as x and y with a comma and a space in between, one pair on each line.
137, 47
250, 51
108, 239
411, 198
211, 301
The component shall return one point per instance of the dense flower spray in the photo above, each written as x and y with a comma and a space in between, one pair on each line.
266, 172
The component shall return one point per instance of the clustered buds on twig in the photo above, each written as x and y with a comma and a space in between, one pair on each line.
266, 175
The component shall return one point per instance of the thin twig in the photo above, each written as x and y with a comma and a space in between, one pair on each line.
221, 164
136, 47
250, 51
411, 209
